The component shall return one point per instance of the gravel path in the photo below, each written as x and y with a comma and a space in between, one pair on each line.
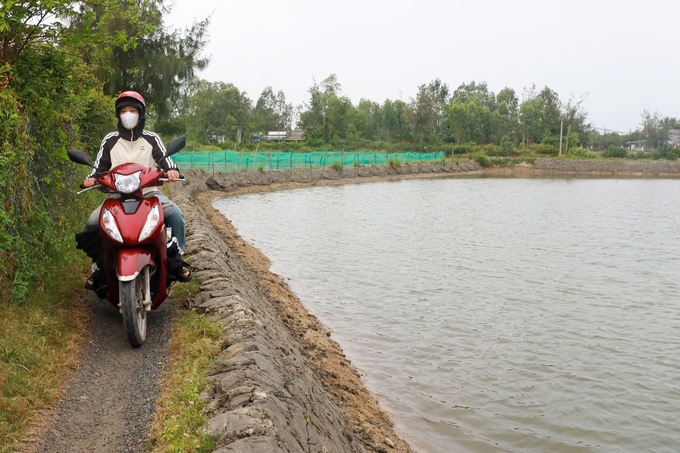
110, 404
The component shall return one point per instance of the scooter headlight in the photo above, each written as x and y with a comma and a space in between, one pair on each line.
109, 224
151, 223
127, 183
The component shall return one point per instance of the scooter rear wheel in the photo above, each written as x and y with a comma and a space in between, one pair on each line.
134, 314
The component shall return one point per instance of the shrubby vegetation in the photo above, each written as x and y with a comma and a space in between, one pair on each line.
60, 62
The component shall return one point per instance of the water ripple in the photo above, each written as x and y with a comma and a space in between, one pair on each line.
494, 315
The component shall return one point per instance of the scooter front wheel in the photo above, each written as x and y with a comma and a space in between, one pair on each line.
134, 314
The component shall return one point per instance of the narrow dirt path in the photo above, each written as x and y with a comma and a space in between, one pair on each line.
110, 404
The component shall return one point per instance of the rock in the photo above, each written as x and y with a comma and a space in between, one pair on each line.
252, 445
237, 425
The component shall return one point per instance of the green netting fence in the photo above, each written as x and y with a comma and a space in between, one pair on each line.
235, 161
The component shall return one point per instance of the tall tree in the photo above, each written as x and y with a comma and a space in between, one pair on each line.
574, 114
531, 117
426, 112
328, 113
655, 128
551, 113
508, 111
395, 123
272, 112
160, 63
477, 92
216, 112
24, 23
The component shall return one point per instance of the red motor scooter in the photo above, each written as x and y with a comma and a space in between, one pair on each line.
134, 240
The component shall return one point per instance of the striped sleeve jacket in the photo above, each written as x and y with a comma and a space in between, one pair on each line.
124, 147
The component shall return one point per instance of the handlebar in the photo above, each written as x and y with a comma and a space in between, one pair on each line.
181, 179
96, 186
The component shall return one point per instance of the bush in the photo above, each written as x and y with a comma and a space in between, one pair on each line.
582, 153
261, 168
483, 160
336, 165
39, 209
463, 149
615, 152
489, 149
500, 162
226, 146
673, 154
548, 150
551, 140
395, 162
507, 147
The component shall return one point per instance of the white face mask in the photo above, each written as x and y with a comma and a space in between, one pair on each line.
129, 120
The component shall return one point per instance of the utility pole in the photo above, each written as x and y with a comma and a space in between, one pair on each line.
561, 129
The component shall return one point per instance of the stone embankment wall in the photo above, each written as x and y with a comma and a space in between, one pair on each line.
232, 180
608, 167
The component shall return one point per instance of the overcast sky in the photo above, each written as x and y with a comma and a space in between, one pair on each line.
623, 54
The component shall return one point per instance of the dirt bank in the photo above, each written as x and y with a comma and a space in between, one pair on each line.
608, 167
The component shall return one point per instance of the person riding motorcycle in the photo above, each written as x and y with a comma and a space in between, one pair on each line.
130, 143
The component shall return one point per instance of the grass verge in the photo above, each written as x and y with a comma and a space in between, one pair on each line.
40, 340
195, 343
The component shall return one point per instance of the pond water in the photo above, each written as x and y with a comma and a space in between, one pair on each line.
494, 314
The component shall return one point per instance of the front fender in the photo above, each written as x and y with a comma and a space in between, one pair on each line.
131, 261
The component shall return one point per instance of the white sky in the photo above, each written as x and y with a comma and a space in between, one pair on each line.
623, 54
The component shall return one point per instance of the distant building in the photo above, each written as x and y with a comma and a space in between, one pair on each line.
280, 136
275, 136
674, 138
637, 146
296, 135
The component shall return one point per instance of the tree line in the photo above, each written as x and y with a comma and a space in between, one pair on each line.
211, 114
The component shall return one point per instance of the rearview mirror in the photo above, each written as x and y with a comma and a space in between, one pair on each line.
79, 157
176, 145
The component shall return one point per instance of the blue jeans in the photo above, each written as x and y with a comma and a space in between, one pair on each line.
173, 215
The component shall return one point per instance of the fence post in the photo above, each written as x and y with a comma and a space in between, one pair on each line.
225, 161
270, 160
192, 160
213, 158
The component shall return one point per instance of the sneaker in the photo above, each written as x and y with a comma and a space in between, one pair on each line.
95, 280
185, 275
